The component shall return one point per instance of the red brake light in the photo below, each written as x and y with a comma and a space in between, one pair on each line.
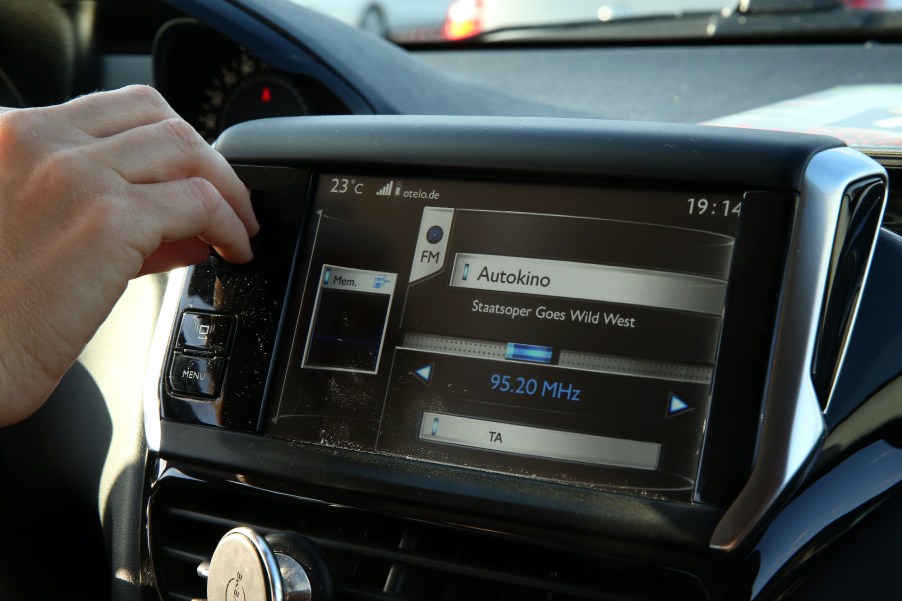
464, 19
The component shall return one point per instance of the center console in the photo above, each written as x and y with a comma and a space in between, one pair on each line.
564, 330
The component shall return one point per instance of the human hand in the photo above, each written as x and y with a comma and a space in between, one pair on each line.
95, 192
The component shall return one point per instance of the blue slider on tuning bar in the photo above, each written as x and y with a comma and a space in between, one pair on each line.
528, 352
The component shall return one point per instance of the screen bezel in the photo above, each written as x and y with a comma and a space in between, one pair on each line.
812, 171
743, 355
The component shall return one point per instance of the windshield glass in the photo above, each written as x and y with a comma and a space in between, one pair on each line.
469, 17
474, 21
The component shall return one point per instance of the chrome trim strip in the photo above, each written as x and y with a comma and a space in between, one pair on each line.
792, 425
156, 361
857, 304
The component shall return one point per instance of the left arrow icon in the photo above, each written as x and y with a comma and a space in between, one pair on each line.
425, 373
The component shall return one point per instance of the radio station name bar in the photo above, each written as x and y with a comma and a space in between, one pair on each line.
588, 281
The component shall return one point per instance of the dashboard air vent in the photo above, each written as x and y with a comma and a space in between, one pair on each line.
375, 557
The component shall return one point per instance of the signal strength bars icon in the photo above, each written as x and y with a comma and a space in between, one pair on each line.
388, 188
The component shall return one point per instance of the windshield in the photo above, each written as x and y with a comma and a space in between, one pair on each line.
412, 22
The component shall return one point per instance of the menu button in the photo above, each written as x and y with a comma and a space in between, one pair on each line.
195, 376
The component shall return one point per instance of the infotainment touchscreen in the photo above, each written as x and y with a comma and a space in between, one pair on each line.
565, 332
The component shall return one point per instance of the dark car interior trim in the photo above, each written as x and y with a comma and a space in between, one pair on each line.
817, 422
819, 171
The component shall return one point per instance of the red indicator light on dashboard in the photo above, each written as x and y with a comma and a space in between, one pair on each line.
265, 95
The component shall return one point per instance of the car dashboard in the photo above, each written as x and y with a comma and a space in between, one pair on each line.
492, 346
435, 334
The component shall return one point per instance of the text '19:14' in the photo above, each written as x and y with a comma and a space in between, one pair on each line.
724, 208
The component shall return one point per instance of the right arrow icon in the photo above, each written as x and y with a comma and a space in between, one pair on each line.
676, 406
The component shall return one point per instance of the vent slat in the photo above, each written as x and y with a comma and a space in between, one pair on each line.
196, 516
183, 555
376, 557
211, 520
359, 594
460, 569
406, 558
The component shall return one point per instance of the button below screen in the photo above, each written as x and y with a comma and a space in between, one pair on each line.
195, 376
205, 332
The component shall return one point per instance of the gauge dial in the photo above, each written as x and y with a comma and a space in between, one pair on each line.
247, 89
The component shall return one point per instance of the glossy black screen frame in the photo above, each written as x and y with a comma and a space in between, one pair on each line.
743, 356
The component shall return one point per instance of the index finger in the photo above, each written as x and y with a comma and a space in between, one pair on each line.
171, 150
105, 114
179, 210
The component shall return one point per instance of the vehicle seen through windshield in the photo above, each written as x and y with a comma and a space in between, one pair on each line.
435, 21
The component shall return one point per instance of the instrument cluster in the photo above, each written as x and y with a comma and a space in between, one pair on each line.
213, 83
